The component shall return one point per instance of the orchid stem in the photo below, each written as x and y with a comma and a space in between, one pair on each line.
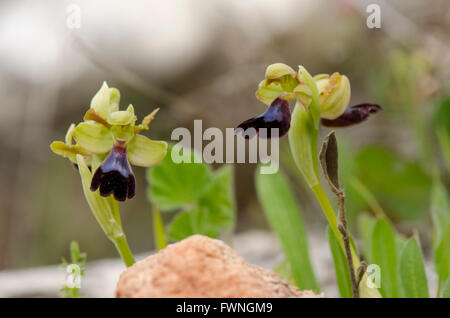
330, 214
342, 227
158, 229
124, 250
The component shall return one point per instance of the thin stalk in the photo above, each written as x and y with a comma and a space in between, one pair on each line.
342, 227
330, 214
159, 235
124, 250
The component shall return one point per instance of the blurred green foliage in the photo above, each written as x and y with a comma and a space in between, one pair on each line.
282, 212
202, 198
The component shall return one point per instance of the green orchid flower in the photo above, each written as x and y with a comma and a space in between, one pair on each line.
319, 100
102, 148
112, 133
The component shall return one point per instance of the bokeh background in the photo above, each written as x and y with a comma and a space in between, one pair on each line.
203, 59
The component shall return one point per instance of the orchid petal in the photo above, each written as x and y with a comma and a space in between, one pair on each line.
352, 116
145, 152
93, 137
278, 115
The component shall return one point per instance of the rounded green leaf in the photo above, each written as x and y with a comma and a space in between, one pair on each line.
93, 137
145, 152
178, 185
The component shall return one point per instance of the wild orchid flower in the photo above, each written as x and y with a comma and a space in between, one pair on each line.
108, 140
106, 129
282, 84
321, 99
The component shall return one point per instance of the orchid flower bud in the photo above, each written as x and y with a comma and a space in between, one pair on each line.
106, 101
334, 93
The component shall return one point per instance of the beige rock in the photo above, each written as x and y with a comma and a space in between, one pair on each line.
201, 267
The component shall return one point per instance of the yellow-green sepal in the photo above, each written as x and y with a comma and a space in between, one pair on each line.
106, 100
335, 94
268, 91
146, 121
68, 151
278, 70
145, 152
122, 117
93, 137
314, 106
69, 134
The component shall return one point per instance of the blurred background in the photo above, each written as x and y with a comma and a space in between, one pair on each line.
203, 60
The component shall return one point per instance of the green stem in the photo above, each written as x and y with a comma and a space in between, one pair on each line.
124, 250
158, 229
328, 210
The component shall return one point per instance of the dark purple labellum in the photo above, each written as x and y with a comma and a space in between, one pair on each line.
353, 115
278, 115
115, 176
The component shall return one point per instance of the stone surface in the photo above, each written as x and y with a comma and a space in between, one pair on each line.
201, 267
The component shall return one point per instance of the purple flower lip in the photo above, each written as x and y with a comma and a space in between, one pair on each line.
352, 116
114, 176
278, 115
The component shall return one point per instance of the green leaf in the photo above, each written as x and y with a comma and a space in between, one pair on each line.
366, 225
218, 200
412, 271
440, 210
178, 185
446, 289
441, 122
400, 186
340, 266
442, 258
283, 215
206, 197
385, 255
189, 223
